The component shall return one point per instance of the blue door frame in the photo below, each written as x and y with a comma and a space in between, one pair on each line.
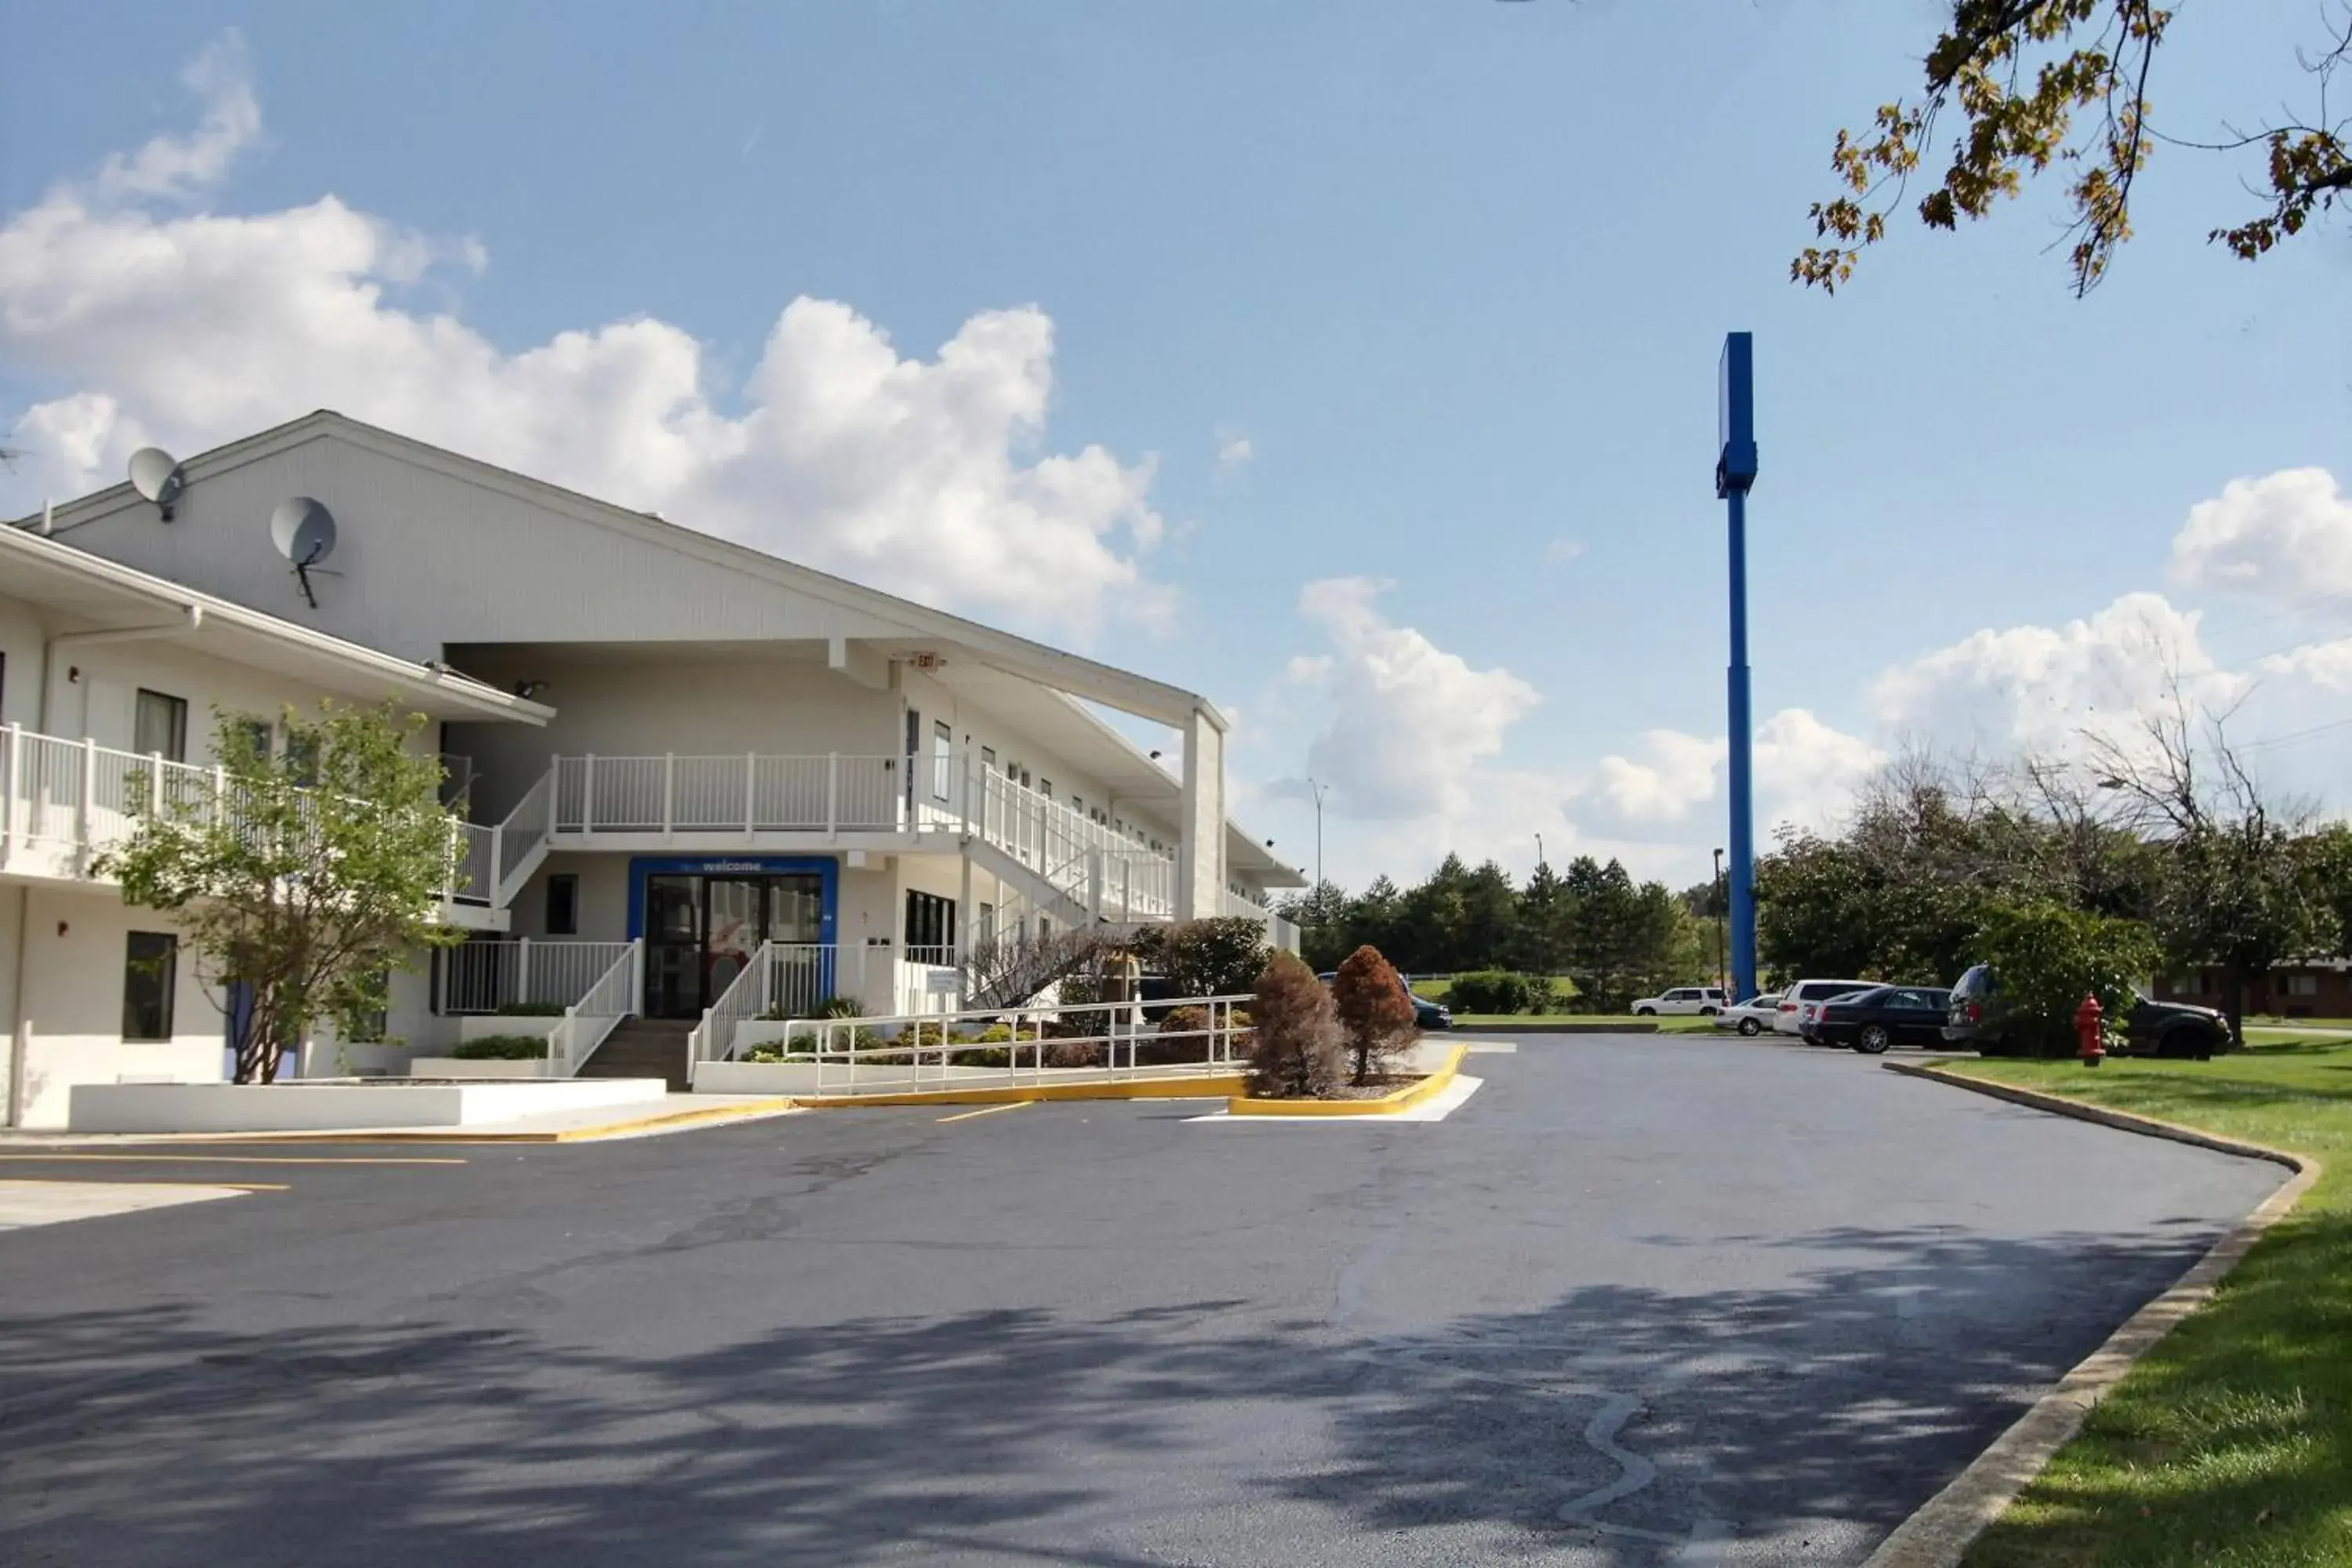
823, 866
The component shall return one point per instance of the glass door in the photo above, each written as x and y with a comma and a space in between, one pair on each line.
730, 932
674, 947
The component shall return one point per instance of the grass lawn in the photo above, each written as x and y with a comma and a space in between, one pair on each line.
2231, 1442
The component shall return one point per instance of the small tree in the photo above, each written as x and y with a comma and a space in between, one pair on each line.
1297, 1050
2046, 958
307, 879
1012, 967
1369, 997
1220, 956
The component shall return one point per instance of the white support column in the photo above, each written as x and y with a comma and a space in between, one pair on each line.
523, 970
750, 796
831, 795
1201, 822
965, 911
670, 795
83, 802
15, 785
588, 795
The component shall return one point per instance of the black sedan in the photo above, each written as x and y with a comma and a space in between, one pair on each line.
1870, 1021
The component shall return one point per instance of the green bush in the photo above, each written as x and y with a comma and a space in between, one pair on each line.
531, 1010
502, 1048
2046, 958
1496, 991
1223, 956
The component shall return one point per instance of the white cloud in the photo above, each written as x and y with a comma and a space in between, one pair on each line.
1233, 452
1677, 773
2287, 536
190, 330
1408, 722
2040, 687
1560, 552
1806, 772
183, 167
2327, 665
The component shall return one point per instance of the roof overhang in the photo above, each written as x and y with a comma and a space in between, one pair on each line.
106, 598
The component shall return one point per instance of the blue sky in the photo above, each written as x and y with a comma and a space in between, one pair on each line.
1423, 296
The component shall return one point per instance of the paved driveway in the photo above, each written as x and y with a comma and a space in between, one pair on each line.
1639, 1300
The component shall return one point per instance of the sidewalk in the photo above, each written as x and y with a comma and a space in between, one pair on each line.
585, 1124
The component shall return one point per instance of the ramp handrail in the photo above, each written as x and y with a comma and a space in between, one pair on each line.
880, 1055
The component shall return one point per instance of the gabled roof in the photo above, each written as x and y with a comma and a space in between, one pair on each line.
1115, 688
112, 596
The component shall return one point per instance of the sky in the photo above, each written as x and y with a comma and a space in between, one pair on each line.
1350, 363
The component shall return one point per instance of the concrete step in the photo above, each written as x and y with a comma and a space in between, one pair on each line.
642, 1047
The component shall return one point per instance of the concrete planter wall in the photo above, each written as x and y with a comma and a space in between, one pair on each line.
757, 1077
462, 1067
321, 1105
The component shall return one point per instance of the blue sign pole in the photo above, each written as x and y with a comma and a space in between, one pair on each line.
1734, 472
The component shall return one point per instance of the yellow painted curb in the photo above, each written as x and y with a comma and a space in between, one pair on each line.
1404, 1099
1207, 1086
1939, 1534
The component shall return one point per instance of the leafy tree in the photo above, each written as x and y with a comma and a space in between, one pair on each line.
1219, 956
1374, 1014
316, 873
2020, 73
2328, 860
1296, 1043
1321, 916
2046, 958
1490, 911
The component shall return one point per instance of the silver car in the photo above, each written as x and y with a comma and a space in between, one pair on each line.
1751, 1018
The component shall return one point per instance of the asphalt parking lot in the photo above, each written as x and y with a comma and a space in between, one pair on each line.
1639, 1300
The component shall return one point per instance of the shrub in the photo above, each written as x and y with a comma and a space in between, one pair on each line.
838, 1007
1375, 1011
502, 1048
531, 1010
2046, 958
1073, 1053
1219, 957
1297, 1050
1494, 990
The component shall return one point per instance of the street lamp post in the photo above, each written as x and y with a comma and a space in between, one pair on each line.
1318, 790
1735, 473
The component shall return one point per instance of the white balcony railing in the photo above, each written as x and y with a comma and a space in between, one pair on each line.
746, 793
483, 977
612, 997
63, 803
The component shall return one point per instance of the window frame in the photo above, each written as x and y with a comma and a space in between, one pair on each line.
569, 881
163, 966
175, 711
943, 761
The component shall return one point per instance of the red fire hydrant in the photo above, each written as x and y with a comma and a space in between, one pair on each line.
2087, 1029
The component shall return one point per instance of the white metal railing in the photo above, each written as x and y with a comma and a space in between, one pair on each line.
1103, 1039
65, 801
787, 980
586, 1021
483, 977
1279, 931
521, 840
744, 793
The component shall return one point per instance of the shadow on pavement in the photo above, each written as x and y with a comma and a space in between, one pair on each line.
1617, 1421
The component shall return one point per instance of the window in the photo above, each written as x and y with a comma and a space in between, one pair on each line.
1046, 788
253, 733
151, 964
942, 762
2302, 985
988, 759
563, 904
985, 923
1078, 805
160, 726
302, 758
931, 920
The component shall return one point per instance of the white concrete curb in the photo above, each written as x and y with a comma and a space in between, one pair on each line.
1941, 1530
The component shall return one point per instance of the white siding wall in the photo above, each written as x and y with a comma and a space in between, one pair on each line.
76, 945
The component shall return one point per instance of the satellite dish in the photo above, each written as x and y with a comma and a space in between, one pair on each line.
155, 474
304, 531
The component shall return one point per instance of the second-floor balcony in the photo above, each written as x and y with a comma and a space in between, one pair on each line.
64, 803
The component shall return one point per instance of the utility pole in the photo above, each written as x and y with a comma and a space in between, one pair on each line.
1735, 473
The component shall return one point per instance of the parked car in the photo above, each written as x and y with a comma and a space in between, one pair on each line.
1685, 1000
1871, 1020
1978, 1019
1426, 1014
1751, 1018
1800, 1001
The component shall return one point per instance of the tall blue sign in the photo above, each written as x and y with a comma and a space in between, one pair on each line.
1734, 472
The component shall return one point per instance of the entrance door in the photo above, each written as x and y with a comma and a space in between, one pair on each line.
805, 971
674, 947
732, 931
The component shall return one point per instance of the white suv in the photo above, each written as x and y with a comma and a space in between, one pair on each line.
1701, 999
1800, 1004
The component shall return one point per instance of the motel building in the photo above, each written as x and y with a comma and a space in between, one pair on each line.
686, 778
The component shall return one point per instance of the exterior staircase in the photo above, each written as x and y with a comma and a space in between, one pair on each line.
642, 1047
